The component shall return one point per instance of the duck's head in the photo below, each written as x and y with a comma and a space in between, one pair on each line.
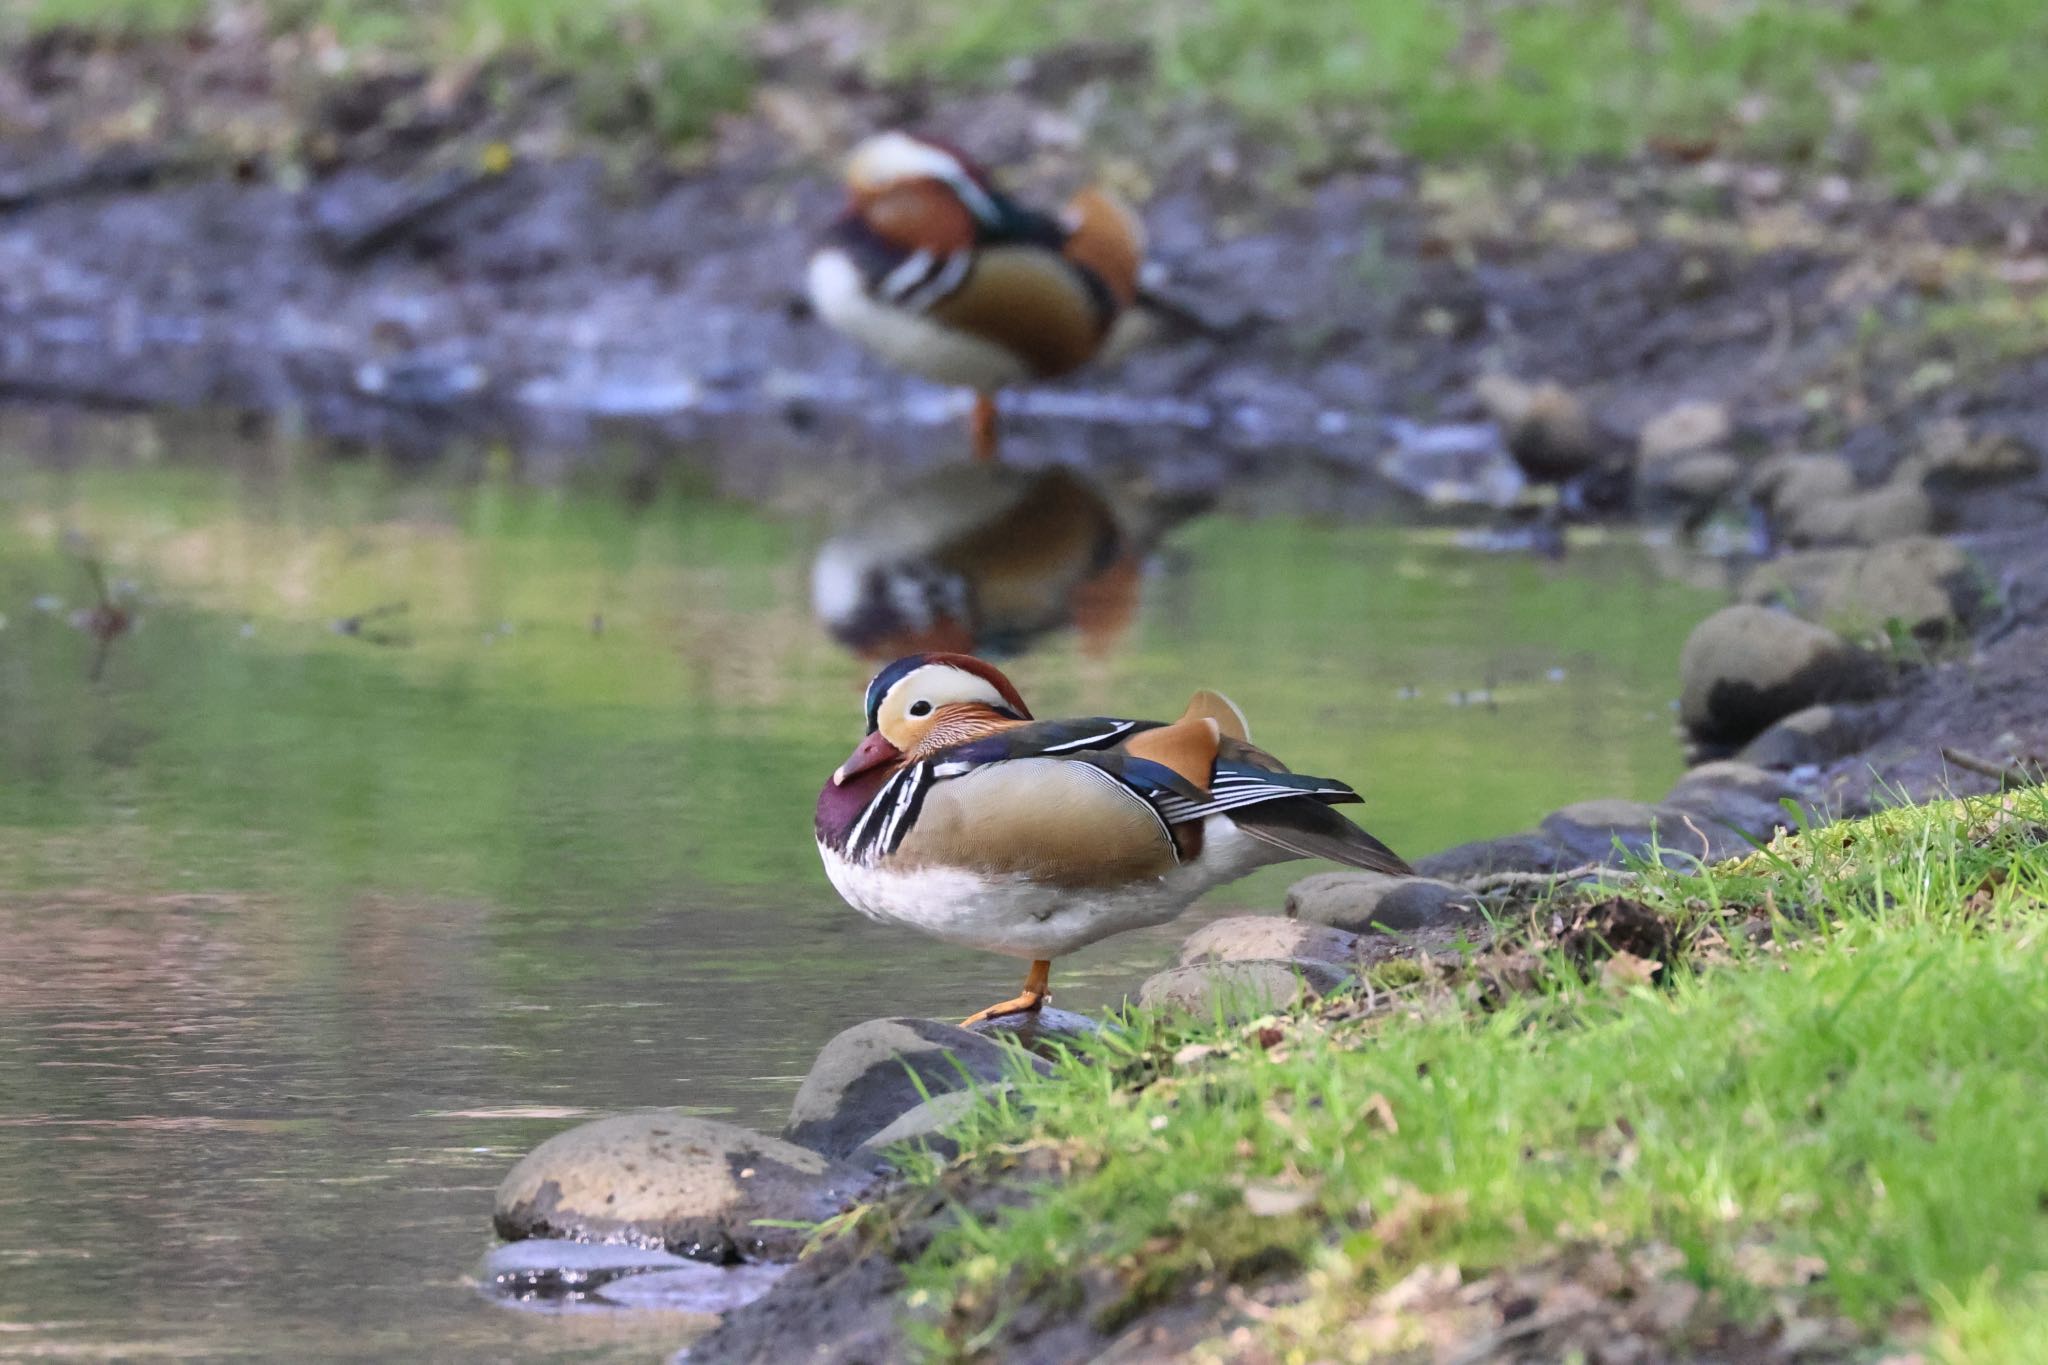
927, 700
895, 159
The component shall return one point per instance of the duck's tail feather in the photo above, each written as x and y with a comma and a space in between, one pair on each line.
1307, 828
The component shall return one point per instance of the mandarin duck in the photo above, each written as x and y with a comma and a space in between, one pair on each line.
978, 558
962, 816
937, 271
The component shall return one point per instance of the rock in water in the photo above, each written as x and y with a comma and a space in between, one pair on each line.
1745, 667
873, 1072
659, 1177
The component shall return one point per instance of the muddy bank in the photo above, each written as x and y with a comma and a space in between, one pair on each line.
402, 262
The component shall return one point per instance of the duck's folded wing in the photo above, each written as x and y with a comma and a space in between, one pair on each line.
1053, 821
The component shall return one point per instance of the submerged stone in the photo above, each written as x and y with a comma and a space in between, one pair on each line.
661, 1178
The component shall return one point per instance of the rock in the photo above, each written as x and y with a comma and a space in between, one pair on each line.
872, 1072
1041, 1031
1697, 425
1926, 585
1746, 666
549, 1267
926, 1124
1784, 482
1869, 518
1251, 938
1813, 737
1239, 989
1736, 796
659, 1177
1950, 457
1610, 832
1371, 902
1546, 427
1531, 852
710, 1290
1703, 477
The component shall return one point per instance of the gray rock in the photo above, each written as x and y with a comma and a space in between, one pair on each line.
694, 1288
1611, 832
1691, 426
1815, 736
1371, 902
926, 1125
1546, 427
1951, 457
658, 1177
549, 1267
1239, 989
872, 1072
1746, 666
1868, 518
1784, 482
1532, 852
1736, 796
1040, 1031
1699, 479
1253, 938
1926, 585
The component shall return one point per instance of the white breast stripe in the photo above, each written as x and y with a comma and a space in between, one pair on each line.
951, 274
899, 815
1091, 741
915, 269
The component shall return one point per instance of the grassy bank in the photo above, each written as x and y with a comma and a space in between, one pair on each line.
1920, 92
1810, 1112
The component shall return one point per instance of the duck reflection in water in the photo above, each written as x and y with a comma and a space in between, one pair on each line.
985, 559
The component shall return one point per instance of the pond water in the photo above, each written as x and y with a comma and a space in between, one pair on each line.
418, 812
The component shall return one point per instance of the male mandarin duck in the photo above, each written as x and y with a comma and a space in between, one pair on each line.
936, 270
964, 817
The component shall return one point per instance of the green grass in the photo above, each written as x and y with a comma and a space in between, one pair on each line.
1856, 1097
1920, 92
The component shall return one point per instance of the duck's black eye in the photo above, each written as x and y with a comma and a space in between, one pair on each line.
920, 708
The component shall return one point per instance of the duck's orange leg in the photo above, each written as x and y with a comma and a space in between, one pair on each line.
983, 424
1037, 990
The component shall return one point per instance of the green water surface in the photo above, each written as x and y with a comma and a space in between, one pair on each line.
307, 932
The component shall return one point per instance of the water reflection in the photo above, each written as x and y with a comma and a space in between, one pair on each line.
982, 559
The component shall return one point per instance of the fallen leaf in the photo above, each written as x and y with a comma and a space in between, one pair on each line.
1625, 971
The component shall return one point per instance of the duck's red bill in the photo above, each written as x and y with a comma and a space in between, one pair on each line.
873, 752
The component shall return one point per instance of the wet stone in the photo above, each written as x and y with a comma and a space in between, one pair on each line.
551, 1268
693, 1288
873, 1072
1041, 1031
662, 1178
924, 1126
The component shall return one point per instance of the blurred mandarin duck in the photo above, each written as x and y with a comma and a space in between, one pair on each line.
937, 271
964, 817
